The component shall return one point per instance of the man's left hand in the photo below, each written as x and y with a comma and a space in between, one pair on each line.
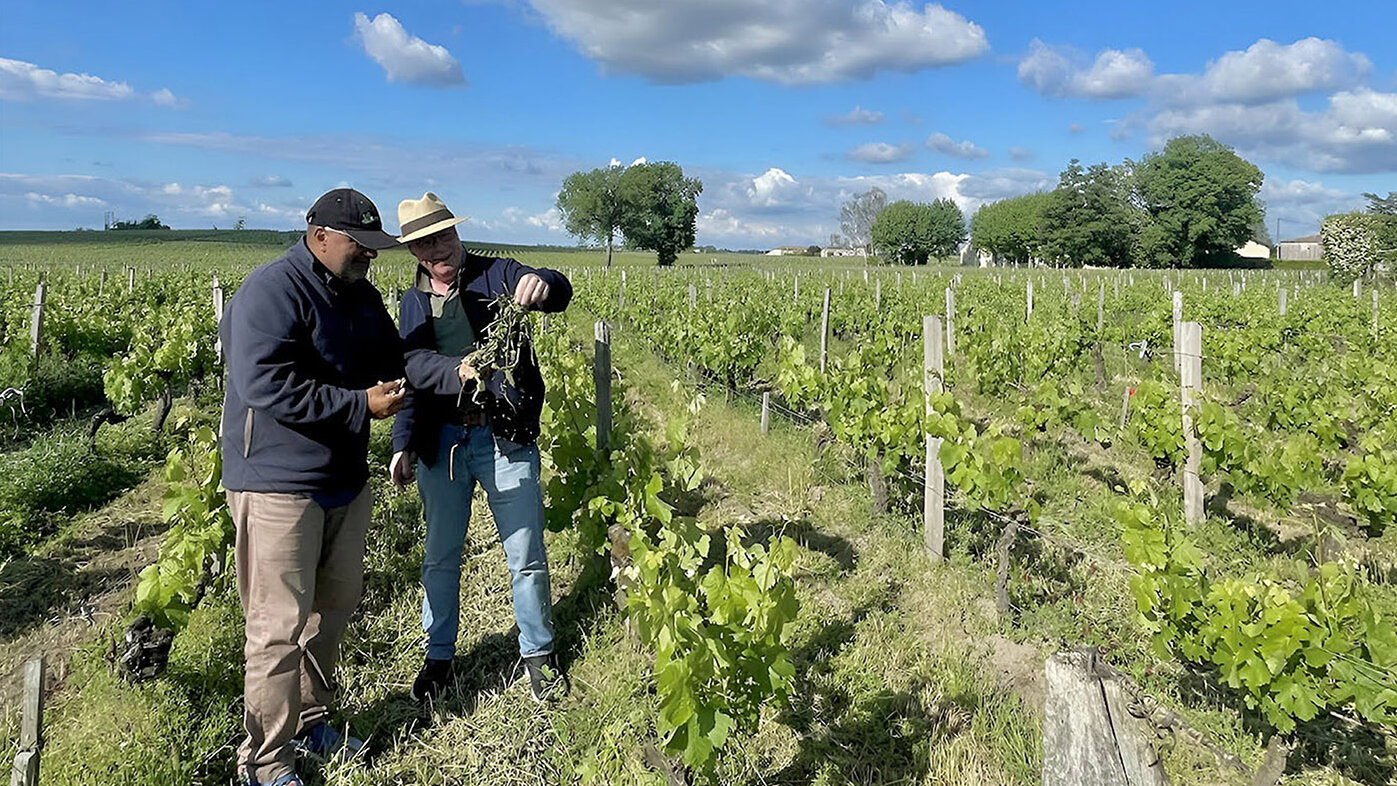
532, 290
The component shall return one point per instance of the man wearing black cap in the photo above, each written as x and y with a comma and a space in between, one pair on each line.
308, 345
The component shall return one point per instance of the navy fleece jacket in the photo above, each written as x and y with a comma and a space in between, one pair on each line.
434, 385
302, 347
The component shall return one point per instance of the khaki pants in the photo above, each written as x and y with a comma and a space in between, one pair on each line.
300, 574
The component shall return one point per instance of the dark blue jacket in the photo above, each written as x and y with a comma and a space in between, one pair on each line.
301, 348
434, 385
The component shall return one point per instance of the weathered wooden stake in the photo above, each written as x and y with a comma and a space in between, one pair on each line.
693, 297
934, 491
878, 293
621, 292
1029, 314
25, 770
1280, 293
1178, 319
766, 411
130, 279
1090, 738
1100, 307
36, 321
1191, 374
601, 375
824, 332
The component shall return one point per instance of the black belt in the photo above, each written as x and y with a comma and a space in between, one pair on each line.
474, 417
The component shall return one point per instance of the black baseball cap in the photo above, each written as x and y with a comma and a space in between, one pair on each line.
353, 214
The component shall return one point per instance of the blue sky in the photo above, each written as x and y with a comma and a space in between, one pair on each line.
204, 114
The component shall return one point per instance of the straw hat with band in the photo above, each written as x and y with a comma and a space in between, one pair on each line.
419, 218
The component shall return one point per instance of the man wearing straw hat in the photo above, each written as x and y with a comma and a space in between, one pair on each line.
457, 430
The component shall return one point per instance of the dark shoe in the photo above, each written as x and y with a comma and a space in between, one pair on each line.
547, 680
432, 680
323, 742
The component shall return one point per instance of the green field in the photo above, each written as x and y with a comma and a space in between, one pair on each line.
906, 670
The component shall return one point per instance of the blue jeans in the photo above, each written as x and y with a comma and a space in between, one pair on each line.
509, 473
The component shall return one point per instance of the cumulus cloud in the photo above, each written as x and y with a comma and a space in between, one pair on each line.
22, 81
997, 184
1301, 205
1267, 71
879, 153
1061, 72
65, 201
1356, 132
857, 117
783, 41
1021, 154
270, 181
406, 58
945, 145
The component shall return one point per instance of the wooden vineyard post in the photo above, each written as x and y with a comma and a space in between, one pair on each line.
1178, 319
36, 322
1029, 314
130, 279
1125, 406
601, 375
621, 293
101, 283
217, 317
25, 770
693, 297
1375, 312
950, 322
877, 293
1357, 289
1100, 307
934, 490
1280, 305
1191, 374
824, 332
766, 411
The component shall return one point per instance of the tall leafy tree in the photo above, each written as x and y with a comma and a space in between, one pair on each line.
1385, 205
659, 208
910, 233
1200, 199
857, 214
1011, 229
590, 203
1088, 219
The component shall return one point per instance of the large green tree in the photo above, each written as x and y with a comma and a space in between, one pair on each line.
1088, 219
659, 208
590, 203
1200, 199
1011, 229
1383, 205
910, 233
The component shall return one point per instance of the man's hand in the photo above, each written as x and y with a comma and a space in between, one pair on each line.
531, 291
466, 371
386, 398
402, 470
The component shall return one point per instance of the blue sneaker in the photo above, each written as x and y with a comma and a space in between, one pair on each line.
244, 778
324, 743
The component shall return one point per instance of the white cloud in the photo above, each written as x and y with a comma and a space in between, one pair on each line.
22, 81
65, 200
1300, 206
1356, 132
1267, 71
1061, 72
1021, 154
773, 189
406, 58
270, 181
856, 117
942, 143
783, 41
879, 153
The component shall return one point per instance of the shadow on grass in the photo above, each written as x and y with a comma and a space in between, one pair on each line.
33, 589
1356, 751
803, 533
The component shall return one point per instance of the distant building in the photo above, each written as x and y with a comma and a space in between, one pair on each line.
1254, 250
1307, 249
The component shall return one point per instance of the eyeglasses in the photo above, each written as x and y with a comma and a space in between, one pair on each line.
446, 237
